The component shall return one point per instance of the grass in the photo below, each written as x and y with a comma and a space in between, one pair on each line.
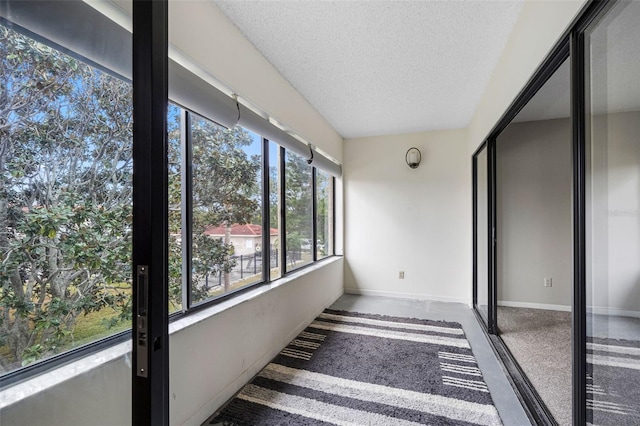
91, 327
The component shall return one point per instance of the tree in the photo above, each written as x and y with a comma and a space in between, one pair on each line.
225, 192
65, 201
174, 161
298, 201
323, 183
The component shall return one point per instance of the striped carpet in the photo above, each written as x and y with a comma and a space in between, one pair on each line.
357, 369
613, 382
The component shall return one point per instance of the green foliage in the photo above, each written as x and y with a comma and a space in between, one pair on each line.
66, 200
298, 195
323, 194
65, 196
225, 192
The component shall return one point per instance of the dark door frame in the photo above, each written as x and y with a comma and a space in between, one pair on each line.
150, 372
474, 205
571, 45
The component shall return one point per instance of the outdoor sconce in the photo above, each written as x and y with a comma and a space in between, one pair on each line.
413, 157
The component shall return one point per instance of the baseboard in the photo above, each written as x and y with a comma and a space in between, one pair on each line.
594, 310
214, 405
613, 312
545, 306
399, 295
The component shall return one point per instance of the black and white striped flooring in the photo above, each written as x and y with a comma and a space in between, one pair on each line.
359, 369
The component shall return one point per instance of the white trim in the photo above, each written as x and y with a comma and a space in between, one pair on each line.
593, 310
545, 306
612, 312
402, 295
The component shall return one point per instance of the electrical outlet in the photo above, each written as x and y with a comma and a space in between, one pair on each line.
401, 275
548, 282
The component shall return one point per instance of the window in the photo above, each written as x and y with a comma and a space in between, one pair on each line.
298, 212
227, 208
324, 214
65, 202
275, 218
174, 130
533, 247
66, 206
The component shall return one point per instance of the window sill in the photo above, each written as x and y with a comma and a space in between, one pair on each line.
45, 381
193, 318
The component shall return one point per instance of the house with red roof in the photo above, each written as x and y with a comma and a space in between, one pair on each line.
246, 239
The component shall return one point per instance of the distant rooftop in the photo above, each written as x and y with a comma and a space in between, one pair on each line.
238, 230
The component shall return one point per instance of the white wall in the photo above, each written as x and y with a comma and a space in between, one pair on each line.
533, 208
539, 25
614, 195
414, 220
211, 358
534, 214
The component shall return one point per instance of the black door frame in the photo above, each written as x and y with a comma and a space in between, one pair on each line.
570, 46
150, 372
474, 204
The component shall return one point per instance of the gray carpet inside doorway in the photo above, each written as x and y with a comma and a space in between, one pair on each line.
540, 340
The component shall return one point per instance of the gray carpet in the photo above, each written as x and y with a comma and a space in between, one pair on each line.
540, 340
363, 369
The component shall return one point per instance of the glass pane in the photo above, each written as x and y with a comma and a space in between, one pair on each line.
175, 208
227, 209
274, 210
534, 242
299, 211
613, 217
65, 198
482, 250
324, 214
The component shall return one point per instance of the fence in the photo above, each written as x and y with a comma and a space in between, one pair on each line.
248, 265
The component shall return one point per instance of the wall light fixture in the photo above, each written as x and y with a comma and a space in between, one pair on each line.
413, 157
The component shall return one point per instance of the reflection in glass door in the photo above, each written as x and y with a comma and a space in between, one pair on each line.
612, 62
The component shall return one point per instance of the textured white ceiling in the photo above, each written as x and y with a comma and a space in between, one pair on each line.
382, 67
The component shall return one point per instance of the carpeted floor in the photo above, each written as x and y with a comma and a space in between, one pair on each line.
540, 340
363, 369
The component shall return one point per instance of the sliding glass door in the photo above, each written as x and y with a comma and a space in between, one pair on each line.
534, 275
561, 184
612, 148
